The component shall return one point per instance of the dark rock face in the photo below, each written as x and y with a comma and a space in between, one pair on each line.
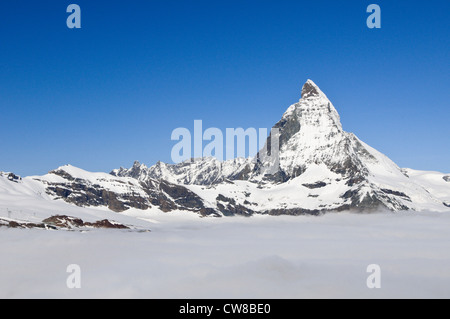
106, 224
229, 207
396, 193
181, 195
65, 222
352, 193
309, 90
185, 199
356, 180
288, 127
15, 224
279, 177
293, 212
315, 185
447, 178
13, 178
84, 195
446, 204
242, 175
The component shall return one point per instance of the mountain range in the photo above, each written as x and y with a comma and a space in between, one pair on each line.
321, 168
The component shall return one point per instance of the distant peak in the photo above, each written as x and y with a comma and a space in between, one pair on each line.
310, 89
138, 166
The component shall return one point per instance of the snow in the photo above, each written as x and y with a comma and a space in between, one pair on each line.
27, 201
118, 185
259, 257
433, 182
320, 136
291, 194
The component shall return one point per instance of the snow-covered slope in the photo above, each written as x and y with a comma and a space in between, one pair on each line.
436, 185
320, 168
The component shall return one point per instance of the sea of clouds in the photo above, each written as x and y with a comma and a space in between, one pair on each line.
258, 257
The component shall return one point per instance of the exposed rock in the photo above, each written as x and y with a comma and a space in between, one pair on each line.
105, 224
309, 89
315, 185
293, 212
13, 178
446, 178
352, 193
23, 225
63, 221
395, 193
182, 196
229, 207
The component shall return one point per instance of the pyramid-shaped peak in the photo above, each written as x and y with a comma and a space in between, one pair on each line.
310, 89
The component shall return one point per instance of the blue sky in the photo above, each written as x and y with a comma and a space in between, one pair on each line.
111, 92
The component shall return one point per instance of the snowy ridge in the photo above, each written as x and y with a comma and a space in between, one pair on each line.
201, 171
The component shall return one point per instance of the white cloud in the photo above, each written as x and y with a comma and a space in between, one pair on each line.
259, 257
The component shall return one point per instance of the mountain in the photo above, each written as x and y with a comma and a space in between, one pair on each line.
321, 168
318, 168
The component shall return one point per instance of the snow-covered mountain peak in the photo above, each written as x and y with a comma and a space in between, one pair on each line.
138, 171
314, 109
310, 131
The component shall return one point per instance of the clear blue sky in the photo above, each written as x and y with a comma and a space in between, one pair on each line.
111, 92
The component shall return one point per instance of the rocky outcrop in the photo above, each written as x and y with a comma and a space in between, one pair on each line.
11, 177
67, 222
62, 222
23, 225
315, 185
229, 207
